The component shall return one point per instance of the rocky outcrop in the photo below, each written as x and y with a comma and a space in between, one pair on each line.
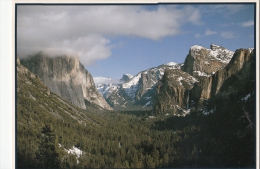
66, 77
235, 76
204, 62
172, 95
226, 81
126, 77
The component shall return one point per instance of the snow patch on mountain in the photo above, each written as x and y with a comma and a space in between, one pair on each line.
132, 85
172, 65
199, 73
246, 97
215, 52
107, 89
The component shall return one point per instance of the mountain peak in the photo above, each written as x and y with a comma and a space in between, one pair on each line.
216, 47
213, 47
126, 77
196, 48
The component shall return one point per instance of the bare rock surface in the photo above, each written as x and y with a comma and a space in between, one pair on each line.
66, 77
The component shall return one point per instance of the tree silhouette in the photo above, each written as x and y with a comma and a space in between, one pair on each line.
48, 150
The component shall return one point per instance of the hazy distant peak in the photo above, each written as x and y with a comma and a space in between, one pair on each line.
126, 77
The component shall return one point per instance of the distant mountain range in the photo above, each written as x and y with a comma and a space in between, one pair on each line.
170, 87
143, 90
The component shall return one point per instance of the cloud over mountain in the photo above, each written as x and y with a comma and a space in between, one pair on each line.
86, 30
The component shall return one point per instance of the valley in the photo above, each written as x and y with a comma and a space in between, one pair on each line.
200, 113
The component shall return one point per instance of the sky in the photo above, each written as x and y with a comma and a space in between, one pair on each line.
112, 40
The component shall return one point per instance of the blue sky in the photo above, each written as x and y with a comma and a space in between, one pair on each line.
112, 40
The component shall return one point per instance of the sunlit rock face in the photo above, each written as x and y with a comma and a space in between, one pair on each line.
204, 62
66, 77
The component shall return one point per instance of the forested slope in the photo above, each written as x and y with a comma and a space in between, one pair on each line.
48, 128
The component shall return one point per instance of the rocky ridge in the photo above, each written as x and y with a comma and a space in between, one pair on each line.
223, 79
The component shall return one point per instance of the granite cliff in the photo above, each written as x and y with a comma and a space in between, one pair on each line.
204, 62
237, 77
67, 77
220, 74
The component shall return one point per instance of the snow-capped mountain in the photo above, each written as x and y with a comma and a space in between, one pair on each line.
106, 85
138, 90
218, 85
171, 86
126, 77
203, 62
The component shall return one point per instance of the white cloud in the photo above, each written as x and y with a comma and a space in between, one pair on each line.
227, 8
85, 29
209, 32
228, 35
248, 23
197, 35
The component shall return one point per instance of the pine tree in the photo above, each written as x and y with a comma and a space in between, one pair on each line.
48, 150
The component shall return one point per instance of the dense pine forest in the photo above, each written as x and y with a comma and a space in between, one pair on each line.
119, 140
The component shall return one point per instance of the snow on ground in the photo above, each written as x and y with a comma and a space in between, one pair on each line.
75, 151
148, 103
246, 97
150, 117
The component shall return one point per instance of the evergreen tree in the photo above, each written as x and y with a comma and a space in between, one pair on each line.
48, 150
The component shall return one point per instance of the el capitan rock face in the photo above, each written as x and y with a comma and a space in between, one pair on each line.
66, 77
